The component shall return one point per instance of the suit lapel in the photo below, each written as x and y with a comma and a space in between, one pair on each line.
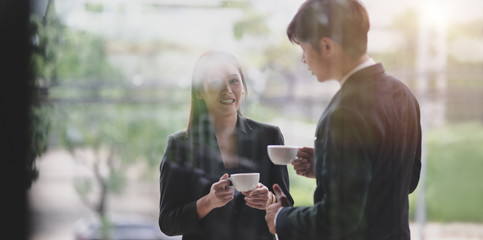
245, 139
353, 83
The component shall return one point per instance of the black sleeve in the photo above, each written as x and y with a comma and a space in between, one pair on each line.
347, 175
177, 215
416, 171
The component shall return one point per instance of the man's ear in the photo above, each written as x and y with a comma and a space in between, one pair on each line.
326, 46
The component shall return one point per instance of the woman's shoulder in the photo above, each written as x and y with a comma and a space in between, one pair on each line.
178, 135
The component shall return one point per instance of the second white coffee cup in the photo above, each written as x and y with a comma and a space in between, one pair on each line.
244, 182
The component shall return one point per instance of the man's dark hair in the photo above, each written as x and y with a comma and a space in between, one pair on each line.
344, 21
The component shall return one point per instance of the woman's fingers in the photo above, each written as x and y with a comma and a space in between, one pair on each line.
257, 198
221, 192
225, 196
256, 203
256, 206
225, 176
222, 184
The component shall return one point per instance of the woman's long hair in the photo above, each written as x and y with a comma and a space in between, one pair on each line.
198, 109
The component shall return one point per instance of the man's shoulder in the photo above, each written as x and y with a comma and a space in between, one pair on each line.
397, 85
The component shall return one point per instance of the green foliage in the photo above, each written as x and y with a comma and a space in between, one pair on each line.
45, 34
106, 226
136, 135
83, 56
39, 129
94, 7
68, 57
98, 118
234, 4
116, 181
83, 185
252, 24
301, 188
455, 161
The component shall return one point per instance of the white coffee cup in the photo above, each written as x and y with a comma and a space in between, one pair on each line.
281, 154
244, 182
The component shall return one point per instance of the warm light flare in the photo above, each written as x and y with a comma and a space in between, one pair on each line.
434, 14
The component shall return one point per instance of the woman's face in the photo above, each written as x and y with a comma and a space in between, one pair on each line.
222, 89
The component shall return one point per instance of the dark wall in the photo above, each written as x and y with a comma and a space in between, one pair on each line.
15, 101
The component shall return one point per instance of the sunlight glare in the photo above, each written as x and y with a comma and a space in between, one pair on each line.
434, 14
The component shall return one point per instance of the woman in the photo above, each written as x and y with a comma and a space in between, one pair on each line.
196, 200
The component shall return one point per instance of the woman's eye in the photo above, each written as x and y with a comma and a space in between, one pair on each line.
214, 84
234, 80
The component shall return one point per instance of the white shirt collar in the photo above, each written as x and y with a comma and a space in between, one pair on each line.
369, 62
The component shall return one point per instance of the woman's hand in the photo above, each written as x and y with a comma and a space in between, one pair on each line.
304, 164
259, 198
220, 194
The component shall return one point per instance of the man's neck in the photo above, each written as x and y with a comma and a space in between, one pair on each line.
348, 64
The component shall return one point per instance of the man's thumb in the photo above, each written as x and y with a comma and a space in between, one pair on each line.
280, 195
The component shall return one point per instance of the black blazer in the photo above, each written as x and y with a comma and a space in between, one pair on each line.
192, 163
367, 161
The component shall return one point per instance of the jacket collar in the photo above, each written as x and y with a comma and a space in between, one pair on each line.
242, 125
365, 73
206, 129
369, 62
353, 82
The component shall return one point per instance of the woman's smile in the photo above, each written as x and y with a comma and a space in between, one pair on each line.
227, 101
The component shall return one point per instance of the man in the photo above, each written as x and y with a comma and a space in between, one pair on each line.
367, 155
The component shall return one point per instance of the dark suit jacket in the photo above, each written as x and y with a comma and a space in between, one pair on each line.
367, 161
191, 164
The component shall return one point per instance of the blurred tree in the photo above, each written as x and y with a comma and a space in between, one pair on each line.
45, 32
108, 140
83, 70
84, 61
72, 73
253, 24
97, 118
